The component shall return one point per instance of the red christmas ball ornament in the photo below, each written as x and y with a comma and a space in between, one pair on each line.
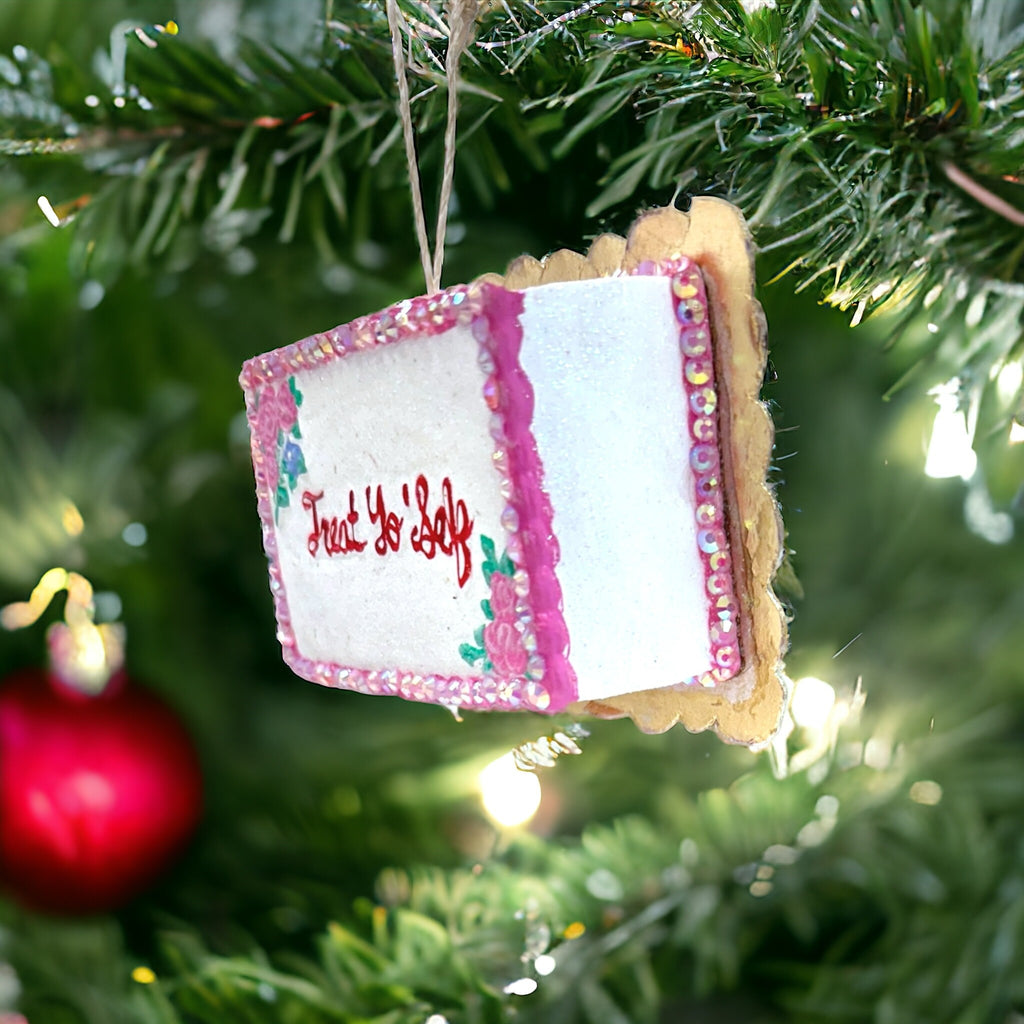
98, 790
97, 793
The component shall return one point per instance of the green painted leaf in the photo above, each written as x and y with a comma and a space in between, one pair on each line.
282, 495
488, 570
488, 546
478, 635
470, 654
506, 566
486, 605
296, 393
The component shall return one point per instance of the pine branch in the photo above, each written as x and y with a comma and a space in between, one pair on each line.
763, 879
831, 129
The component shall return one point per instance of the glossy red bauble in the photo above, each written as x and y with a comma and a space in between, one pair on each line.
97, 794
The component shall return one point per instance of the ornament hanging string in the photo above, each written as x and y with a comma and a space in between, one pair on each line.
461, 26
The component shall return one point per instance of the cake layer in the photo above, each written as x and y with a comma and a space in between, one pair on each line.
500, 499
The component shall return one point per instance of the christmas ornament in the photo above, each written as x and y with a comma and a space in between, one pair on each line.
99, 786
537, 492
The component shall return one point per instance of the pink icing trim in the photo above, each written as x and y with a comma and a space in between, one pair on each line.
503, 310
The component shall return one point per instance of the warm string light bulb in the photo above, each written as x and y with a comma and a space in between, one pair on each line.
510, 795
812, 703
818, 712
950, 450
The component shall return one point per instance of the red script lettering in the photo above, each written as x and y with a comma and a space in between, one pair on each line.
445, 528
337, 533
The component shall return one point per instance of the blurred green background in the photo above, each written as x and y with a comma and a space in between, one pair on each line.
122, 399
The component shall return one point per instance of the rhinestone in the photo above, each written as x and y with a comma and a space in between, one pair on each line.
707, 485
694, 343
707, 514
727, 658
514, 549
703, 401
722, 632
704, 428
703, 458
710, 541
507, 693
537, 696
698, 371
719, 560
718, 583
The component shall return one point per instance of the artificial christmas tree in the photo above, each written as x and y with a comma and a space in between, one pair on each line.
244, 182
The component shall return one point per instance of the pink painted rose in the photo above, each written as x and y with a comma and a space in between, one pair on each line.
267, 425
268, 417
288, 412
271, 470
504, 648
503, 597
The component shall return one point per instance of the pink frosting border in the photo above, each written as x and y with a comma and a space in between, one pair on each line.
503, 309
493, 313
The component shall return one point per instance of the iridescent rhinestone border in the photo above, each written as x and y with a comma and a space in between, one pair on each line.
527, 517
691, 312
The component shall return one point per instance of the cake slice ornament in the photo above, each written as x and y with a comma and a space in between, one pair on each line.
538, 492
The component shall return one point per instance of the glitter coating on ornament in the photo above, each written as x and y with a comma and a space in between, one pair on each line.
514, 655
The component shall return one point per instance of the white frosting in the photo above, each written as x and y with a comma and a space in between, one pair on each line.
611, 426
384, 416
